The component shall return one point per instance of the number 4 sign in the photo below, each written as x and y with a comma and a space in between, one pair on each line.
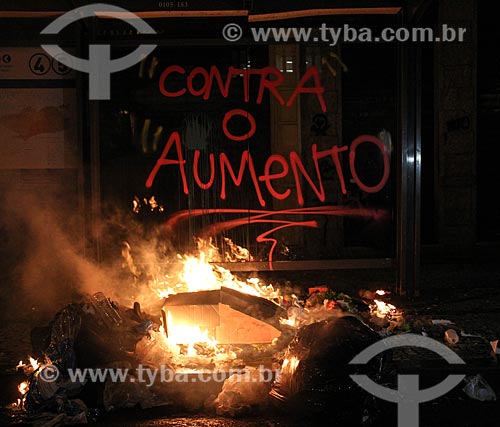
26, 63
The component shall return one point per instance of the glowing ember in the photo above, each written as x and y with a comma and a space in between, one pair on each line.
136, 205
382, 309
290, 365
291, 321
23, 387
380, 292
34, 363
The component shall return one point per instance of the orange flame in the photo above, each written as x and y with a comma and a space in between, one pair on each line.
382, 309
199, 274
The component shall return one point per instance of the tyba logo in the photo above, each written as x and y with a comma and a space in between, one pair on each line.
408, 394
99, 66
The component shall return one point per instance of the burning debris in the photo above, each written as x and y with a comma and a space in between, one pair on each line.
229, 316
90, 333
323, 304
314, 378
204, 321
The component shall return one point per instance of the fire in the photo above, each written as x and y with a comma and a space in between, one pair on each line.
184, 334
23, 387
236, 253
175, 336
290, 365
382, 309
34, 363
295, 316
291, 321
195, 273
187, 335
28, 369
386, 315
200, 274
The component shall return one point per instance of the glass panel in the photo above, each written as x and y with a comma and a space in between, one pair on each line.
286, 150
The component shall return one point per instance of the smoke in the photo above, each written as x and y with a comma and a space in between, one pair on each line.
48, 269
46, 262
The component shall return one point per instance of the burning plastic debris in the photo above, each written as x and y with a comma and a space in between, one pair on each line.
381, 309
323, 304
386, 315
28, 369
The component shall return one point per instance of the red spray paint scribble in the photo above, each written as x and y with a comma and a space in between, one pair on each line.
255, 216
262, 238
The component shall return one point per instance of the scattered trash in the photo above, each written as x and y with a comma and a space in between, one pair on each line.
90, 333
466, 335
451, 336
442, 322
319, 332
128, 394
387, 317
243, 394
365, 293
314, 377
72, 412
322, 305
477, 388
320, 289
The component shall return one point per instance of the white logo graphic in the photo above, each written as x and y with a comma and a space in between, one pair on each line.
408, 394
99, 66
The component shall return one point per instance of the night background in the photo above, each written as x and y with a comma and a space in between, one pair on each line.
305, 174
